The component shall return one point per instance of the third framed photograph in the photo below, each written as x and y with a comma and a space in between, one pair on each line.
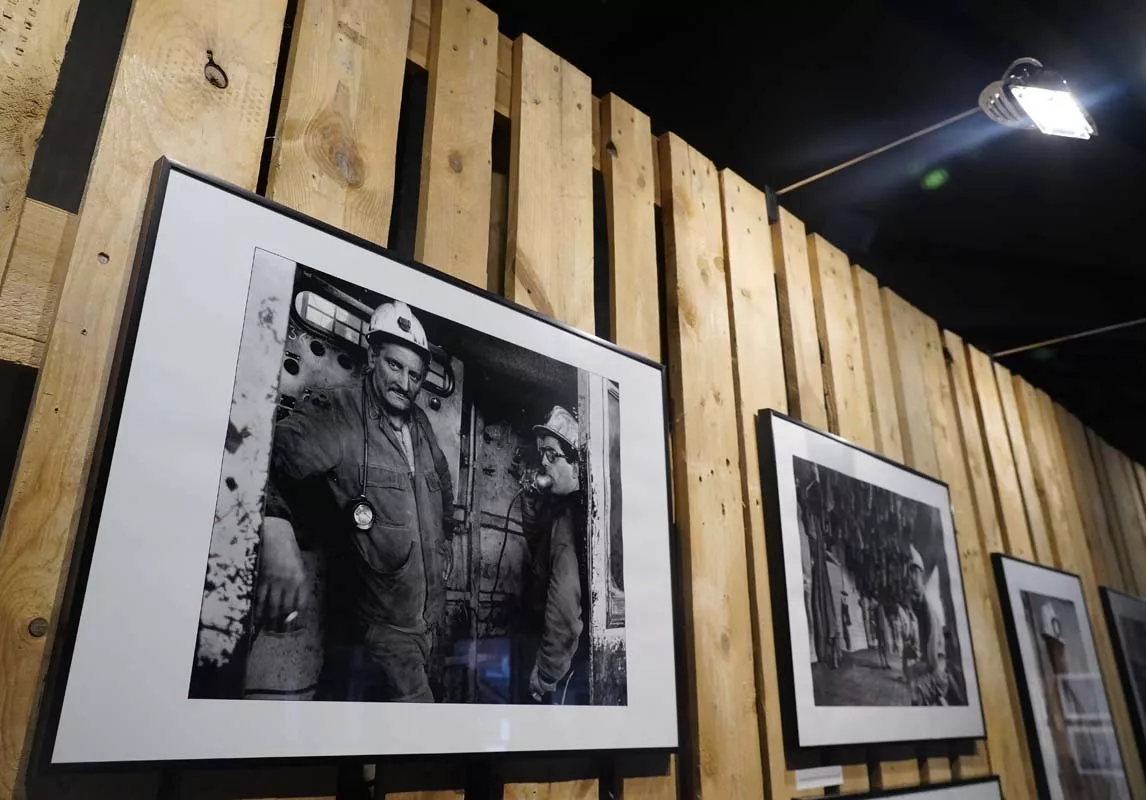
872, 639
1070, 731
1126, 619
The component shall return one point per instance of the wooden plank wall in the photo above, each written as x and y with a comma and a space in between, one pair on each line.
755, 315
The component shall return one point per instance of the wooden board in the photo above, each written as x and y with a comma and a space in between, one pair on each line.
837, 321
1044, 477
804, 377
726, 759
1006, 736
337, 133
1036, 520
1070, 546
549, 255
1004, 478
877, 365
453, 202
627, 168
33, 34
20, 350
1107, 566
160, 103
1124, 506
759, 380
30, 288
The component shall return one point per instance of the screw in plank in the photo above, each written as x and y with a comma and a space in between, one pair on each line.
38, 627
215, 74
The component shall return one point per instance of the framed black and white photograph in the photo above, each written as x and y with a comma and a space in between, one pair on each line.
1070, 731
1126, 621
872, 639
346, 505
974, 789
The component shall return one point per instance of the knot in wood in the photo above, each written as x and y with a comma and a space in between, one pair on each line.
455, 160
215, 75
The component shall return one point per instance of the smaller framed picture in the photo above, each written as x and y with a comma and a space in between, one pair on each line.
1070, 731
978, 789
872, 640
1126, 619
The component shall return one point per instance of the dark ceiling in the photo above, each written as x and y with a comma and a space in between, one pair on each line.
1029, 238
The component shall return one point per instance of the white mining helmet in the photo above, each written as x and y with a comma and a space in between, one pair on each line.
560, 423
394, 321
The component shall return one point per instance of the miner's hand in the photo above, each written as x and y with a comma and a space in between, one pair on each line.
283, 589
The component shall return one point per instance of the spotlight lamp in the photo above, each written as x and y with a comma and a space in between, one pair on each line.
1031, 96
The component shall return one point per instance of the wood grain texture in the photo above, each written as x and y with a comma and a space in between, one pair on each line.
550, 187
454, 199
1006, 736
726, 760
759, 379
1107, 565
1036, 521
877, 365
804, 376
1004, 477
21, 350
160, 103
337, 133
837, 322
1070, 545
549, 253
627, 168
1121, 510
33, 35
30, 288
1044, 480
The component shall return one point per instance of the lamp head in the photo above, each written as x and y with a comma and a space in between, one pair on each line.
1031, 96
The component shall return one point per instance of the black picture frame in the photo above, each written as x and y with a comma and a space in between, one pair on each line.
941, 789
780, 564
63, 643
1136, 699
1016, 640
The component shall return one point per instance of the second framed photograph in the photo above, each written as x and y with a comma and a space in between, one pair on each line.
1126, 619
872, 639
1070, 730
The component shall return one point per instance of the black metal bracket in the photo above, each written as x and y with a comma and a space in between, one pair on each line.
773, 205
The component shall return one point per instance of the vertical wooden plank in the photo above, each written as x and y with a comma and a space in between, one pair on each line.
627, 167
1036, 521
759, 379
1006, 736
549, 257
1107, 565
1004, 477
877, 365
804, 376
1120, 509
1042, 489
706, 474
837, 322
453, 202
33, 34
31, 286
1074, 556
337, 132
160, 103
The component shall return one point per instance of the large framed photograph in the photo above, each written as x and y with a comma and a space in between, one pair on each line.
1070, 731
346, 505
974, 789
1126, 620
872, 639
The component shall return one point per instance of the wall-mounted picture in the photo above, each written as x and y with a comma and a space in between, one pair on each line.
348, 505
1070, 731
1126, 620
976, 789
872, 639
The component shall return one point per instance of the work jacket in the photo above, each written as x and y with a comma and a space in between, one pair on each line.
392, 574
556, 580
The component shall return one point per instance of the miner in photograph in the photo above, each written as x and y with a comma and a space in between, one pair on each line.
556, 575
360, 469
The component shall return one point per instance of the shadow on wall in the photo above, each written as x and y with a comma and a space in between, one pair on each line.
16, 385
